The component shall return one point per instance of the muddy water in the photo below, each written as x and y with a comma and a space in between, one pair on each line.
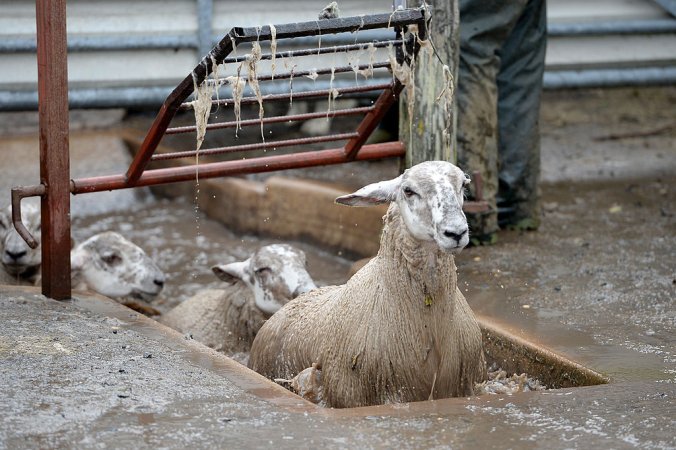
186, 244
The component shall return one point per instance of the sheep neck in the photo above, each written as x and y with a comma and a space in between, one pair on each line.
427, 266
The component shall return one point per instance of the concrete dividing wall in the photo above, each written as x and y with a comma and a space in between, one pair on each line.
282, 208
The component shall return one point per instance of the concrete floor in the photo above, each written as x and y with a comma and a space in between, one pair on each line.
595, 283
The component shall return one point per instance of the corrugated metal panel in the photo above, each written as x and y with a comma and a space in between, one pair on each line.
125, 43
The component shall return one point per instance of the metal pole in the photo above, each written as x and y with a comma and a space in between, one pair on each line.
54, 158
205, 10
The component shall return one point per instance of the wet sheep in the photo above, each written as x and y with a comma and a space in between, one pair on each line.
20, 263
228, 319
400, 329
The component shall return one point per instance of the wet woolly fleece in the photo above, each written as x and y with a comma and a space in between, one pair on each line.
224, 319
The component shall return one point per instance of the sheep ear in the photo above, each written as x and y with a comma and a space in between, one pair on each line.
373, 194
232, 272
77, 259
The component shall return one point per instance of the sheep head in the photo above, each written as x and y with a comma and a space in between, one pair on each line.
429, 197
115, 267
18, 259
274, 273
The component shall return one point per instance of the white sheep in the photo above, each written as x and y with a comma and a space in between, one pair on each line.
20, 263
113, 266
400, 329
228, 319
106, 263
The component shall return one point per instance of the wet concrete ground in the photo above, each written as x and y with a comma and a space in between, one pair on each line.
596, 283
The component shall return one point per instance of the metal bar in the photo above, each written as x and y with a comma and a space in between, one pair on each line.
19, 193
318, 51
475, 206
377, 34
331, 26
240, 166
297, 95
623, 27
138, 42
478, 186
273, 119
95, 43
645, 76
372, 119
256, 146
171, 106
205, 9
54, 159
303, 73
668, 5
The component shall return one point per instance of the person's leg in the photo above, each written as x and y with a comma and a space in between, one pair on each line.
484, 25
519, 90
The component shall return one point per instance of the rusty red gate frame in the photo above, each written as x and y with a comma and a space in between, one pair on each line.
54, 159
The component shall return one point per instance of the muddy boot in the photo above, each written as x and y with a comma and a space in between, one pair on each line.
483, 229
519, 216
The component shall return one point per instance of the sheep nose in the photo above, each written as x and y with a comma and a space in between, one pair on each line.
159, 283
15, 255
455, 236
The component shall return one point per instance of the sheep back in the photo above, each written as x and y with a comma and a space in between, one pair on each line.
223, 319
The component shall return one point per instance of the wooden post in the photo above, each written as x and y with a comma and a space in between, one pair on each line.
423, 135
54, 158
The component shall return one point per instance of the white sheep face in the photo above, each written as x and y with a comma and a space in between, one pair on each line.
274, 273
430, 197
115, 267
18, 259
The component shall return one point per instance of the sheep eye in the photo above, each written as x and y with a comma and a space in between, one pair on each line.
111, 258
408, 192
262, 270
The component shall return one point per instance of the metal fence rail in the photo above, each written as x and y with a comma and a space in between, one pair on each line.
54, 165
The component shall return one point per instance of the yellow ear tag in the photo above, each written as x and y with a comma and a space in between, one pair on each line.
428, 300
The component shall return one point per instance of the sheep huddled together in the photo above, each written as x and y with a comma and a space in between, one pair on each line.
106, 263
400, 329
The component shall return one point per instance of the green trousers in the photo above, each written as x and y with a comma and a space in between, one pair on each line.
502, 53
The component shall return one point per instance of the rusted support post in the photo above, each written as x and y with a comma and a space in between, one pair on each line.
429, 117
54, 159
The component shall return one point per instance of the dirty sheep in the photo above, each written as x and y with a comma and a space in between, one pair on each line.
20, 263
399, 330
228, 319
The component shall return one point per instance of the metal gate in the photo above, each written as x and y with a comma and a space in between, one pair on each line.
408, 29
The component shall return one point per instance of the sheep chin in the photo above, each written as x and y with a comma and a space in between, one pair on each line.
453, 249
143, 295
21, 270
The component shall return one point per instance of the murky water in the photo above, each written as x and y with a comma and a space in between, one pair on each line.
186, 244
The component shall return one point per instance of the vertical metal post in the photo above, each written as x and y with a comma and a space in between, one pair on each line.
54, 157
205, 9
